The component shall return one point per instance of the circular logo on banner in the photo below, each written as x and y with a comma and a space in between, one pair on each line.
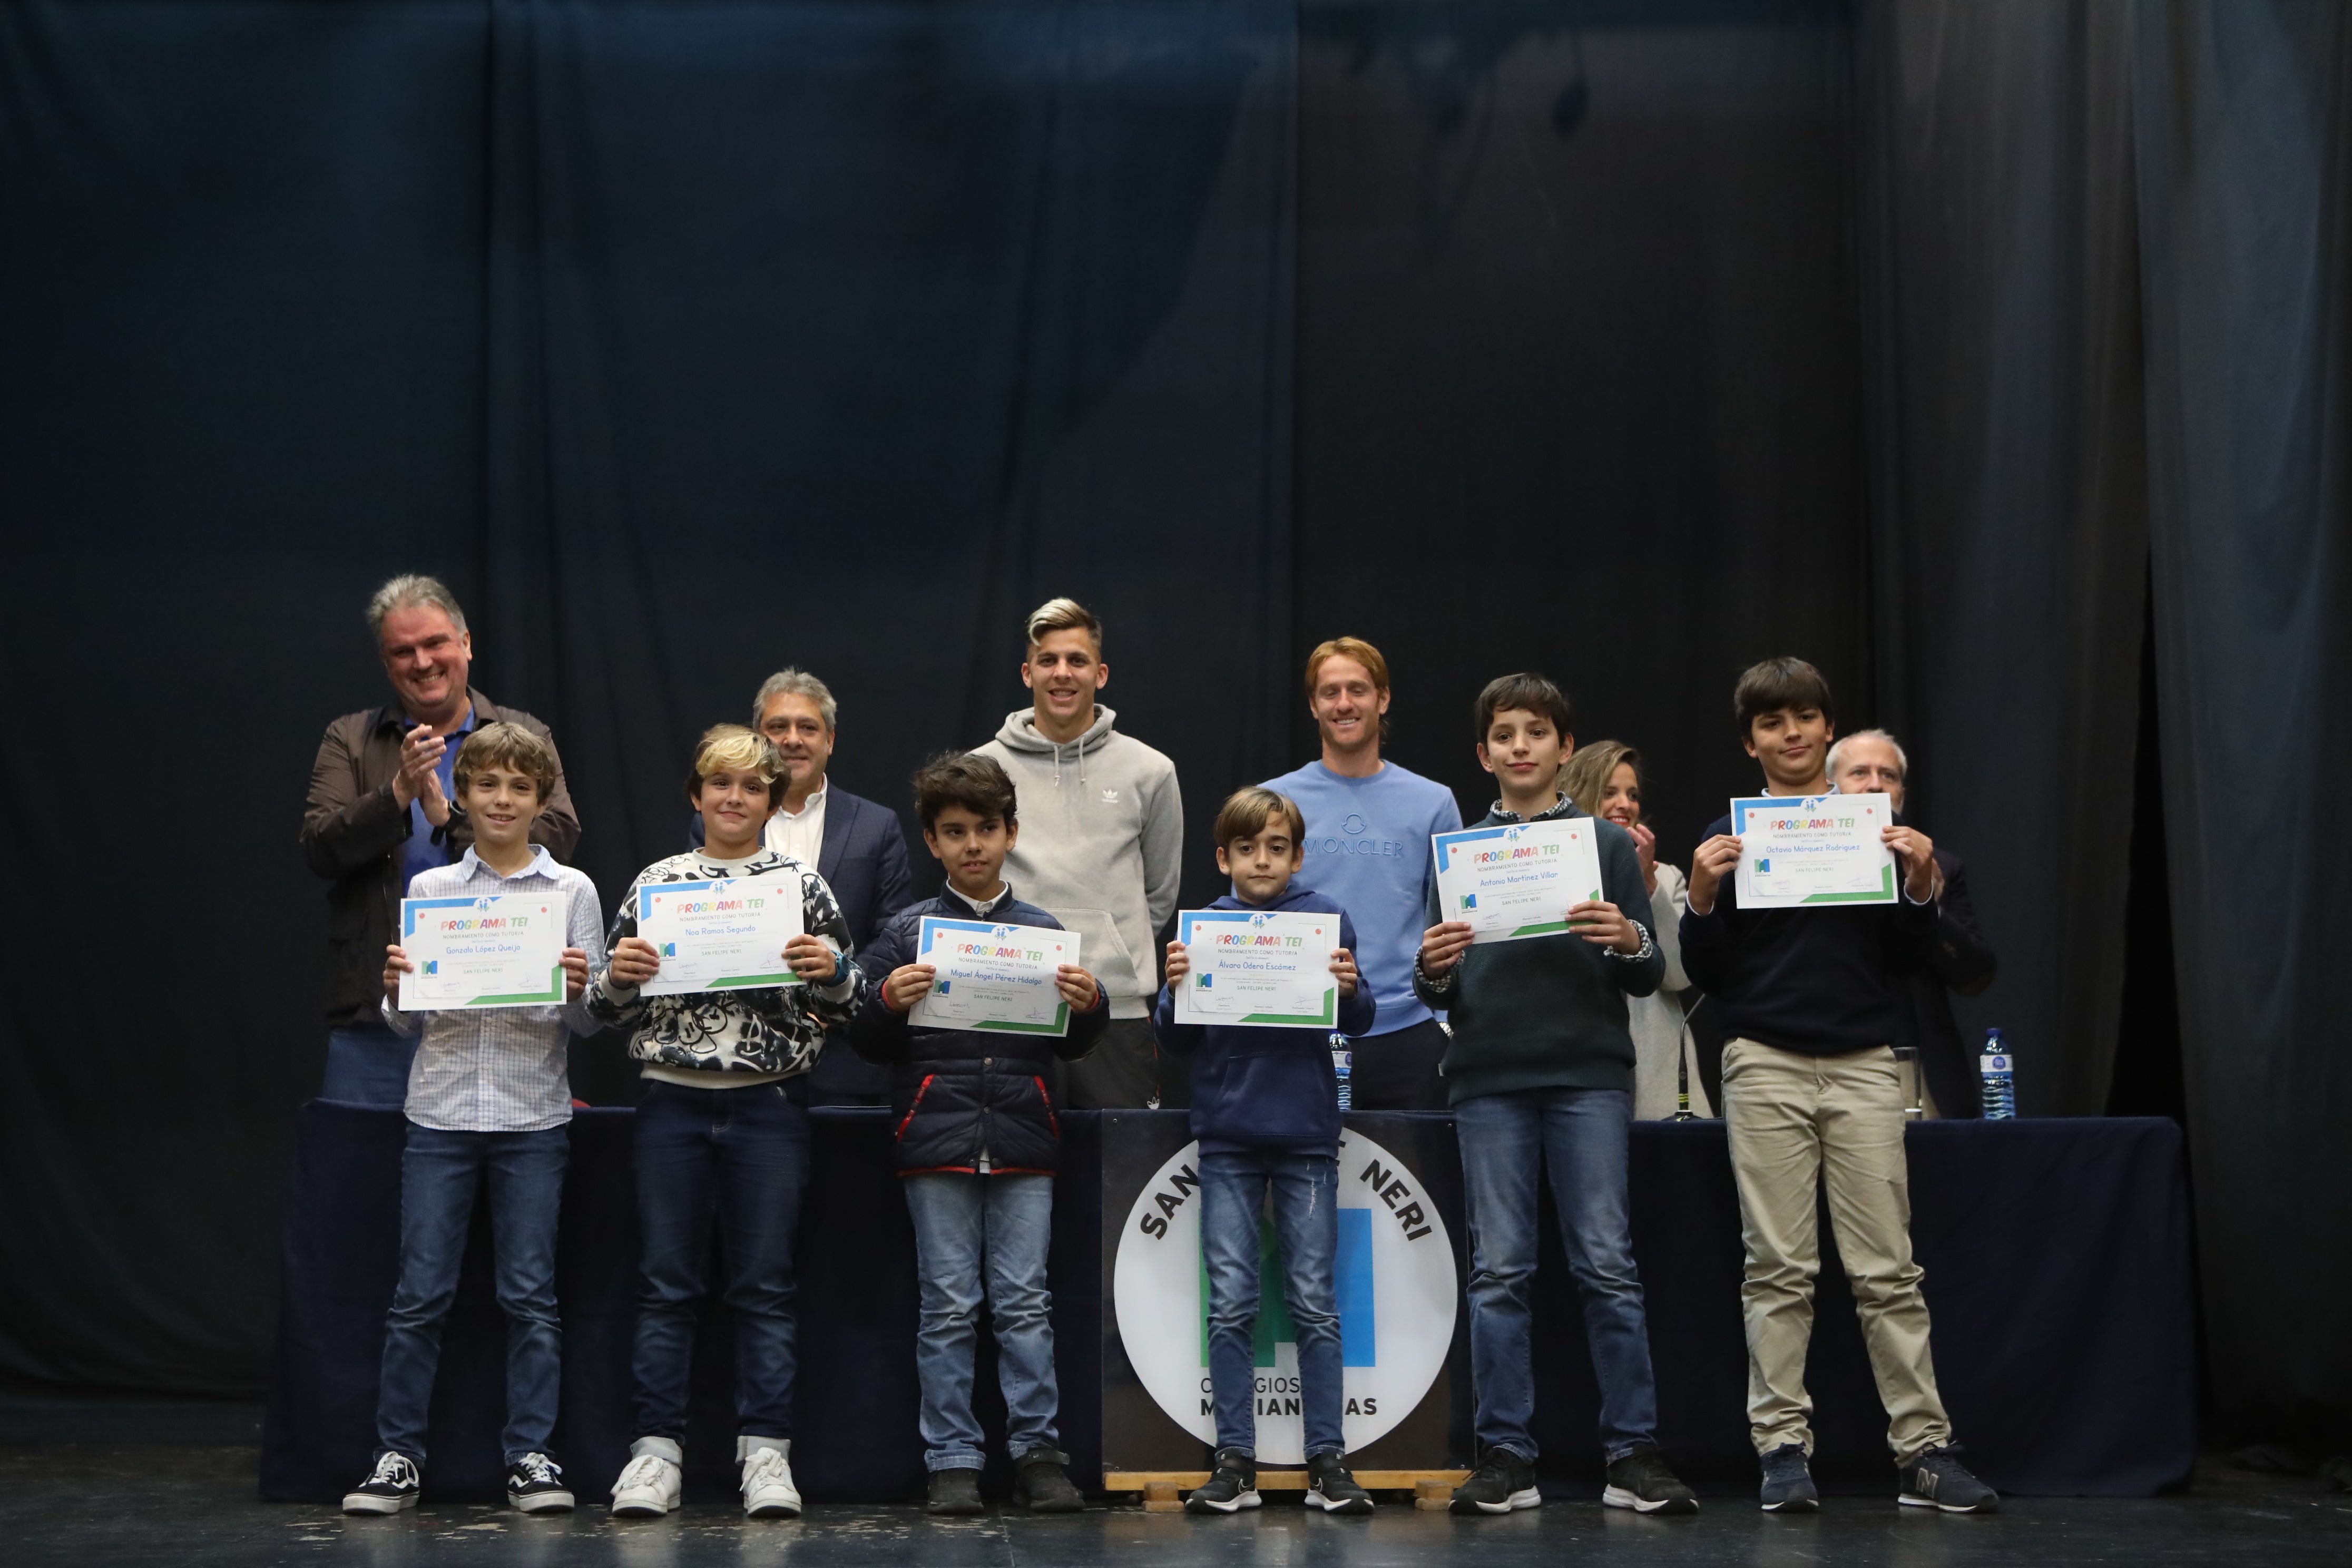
1394, 1280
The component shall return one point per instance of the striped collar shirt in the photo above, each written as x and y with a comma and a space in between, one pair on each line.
500, 1070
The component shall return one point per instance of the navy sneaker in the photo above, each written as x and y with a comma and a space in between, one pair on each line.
1788, 1484
535, 1485
1933, 1479
391, 1486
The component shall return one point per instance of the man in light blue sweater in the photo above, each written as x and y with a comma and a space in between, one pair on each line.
1369, 823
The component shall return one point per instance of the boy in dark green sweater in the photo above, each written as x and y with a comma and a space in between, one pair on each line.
1540, 1074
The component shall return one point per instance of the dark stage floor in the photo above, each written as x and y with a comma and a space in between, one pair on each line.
87, 1483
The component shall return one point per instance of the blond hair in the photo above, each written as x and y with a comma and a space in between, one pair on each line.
1063, 615
1584, 777
734, 746
505, 745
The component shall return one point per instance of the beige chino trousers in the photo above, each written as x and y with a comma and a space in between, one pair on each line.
1796, 1121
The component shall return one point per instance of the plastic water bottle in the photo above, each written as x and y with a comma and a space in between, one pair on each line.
1343, 1062
2000, 1070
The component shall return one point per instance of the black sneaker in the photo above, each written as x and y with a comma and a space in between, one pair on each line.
1788, 1484
535, 1485
1233, 1486
1504, 1482
955, 1491
1041, 1483
1640, 1481
1933, 1479
1332, 1488
392, 1485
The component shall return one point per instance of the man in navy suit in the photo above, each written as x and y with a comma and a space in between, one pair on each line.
855, 845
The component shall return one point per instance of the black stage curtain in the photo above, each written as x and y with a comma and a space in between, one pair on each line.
1627, 341
2245, 196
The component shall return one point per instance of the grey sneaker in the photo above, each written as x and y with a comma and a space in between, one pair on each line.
1933, 1478
955, 1492
1788, 1484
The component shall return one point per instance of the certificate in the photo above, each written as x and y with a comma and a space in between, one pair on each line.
1258, 968
999, 978
1519, 879
1814, 849
502, 950
720, 936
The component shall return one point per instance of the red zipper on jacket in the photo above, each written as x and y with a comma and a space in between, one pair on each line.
914, 1105
1052, 1121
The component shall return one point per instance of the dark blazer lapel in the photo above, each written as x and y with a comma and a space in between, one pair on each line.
837, 813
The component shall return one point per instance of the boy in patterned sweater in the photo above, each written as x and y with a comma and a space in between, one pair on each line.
722, 1128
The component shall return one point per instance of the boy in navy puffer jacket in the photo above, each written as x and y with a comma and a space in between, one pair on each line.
1265, 1107
978, 1146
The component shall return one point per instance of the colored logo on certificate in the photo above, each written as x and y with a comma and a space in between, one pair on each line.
1469, 900
1204, 983
432, 966
1002, 933
942, 986
1764, 863
669, 950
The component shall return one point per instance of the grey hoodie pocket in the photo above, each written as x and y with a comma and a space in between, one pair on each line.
1101, 952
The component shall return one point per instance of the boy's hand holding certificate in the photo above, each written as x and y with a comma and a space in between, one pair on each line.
1519, 879
1257, 968
720, 936
503, 950
1002, 978
1797, 850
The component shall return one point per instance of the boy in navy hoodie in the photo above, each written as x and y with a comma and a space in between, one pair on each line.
1266, 1107
978, 1147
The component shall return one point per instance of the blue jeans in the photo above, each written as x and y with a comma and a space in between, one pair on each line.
1305, 1189
368, 1067
1578, 1135
742, 1154
439, 1175
968, 1229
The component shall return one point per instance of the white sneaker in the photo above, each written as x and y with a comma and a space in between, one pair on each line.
652, 1481
768, 1490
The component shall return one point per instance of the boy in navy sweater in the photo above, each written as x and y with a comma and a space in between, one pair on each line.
1812, 1002
1266, 1107
978, 1147
1540, 1072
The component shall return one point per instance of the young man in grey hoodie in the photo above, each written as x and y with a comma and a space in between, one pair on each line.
1102, 841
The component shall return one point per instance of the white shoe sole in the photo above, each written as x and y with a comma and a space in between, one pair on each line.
1618, 1497
641, 1508
1351, 1505
362, 1503
541, 1502
1247, 1499
1909, 1500
1526, 1497
1794, 1505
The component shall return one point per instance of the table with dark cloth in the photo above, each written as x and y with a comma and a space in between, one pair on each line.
2057, 1270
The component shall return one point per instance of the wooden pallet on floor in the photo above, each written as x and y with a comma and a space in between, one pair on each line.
1432, 1490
